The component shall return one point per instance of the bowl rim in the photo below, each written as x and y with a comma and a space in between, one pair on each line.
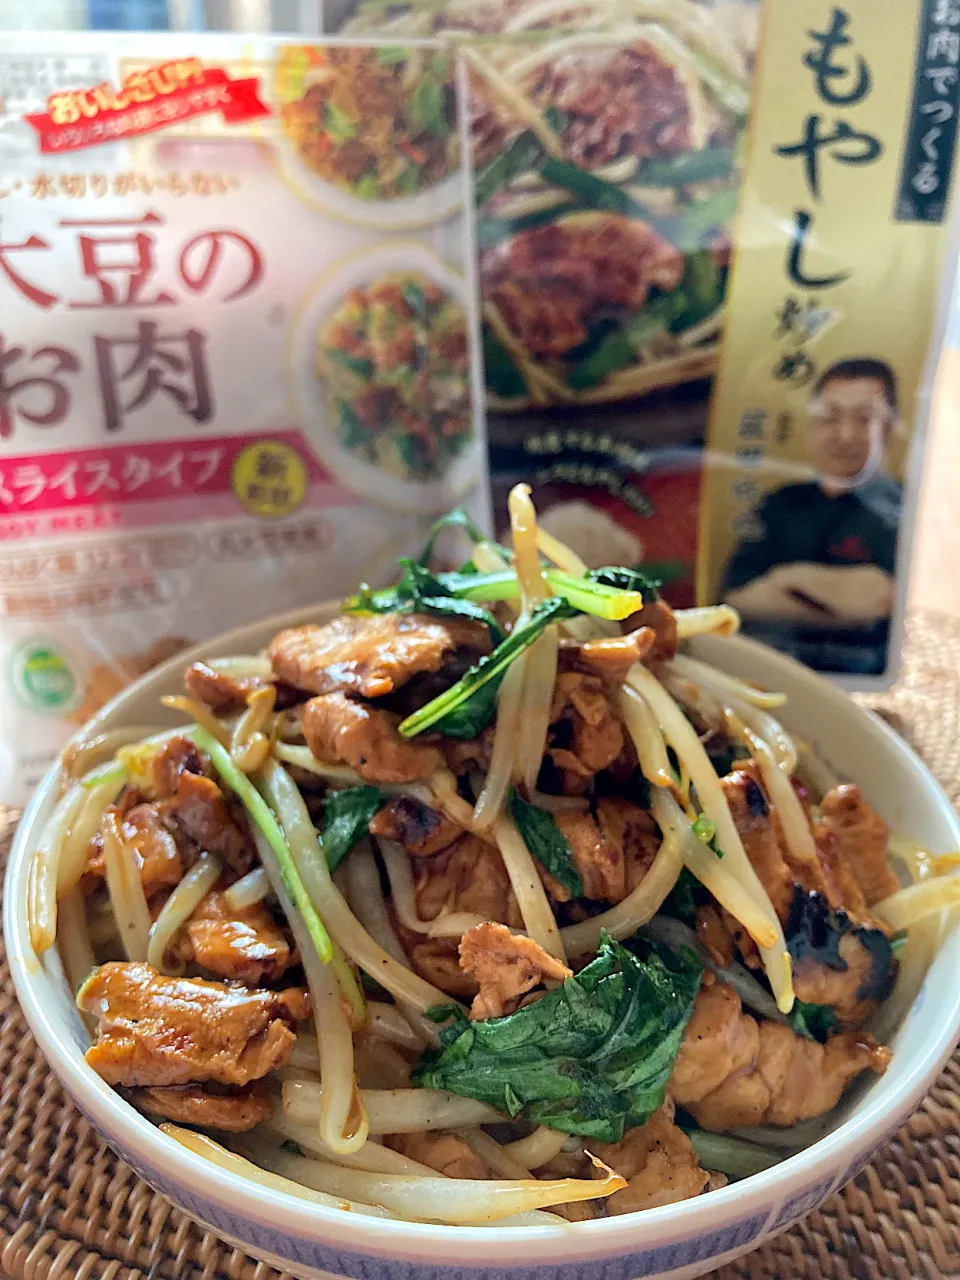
118, 1119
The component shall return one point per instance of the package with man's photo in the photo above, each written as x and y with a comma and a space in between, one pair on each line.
714, 261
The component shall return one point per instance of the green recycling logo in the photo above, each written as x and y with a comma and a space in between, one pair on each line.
42, 678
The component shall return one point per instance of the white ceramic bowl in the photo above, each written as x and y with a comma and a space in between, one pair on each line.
679, 1240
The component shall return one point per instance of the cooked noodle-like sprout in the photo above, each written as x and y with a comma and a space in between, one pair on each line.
304, 759
44, 870
400, 875
340, 1119
125, 886
647, 739
342, 924
84, 754
250, 740
248, 890
489, 557
756, 718
455, 1201
519, 104
538, 918
909, 906
562, 556
710, 870
780, 789
681, 735
372, 1156
714, 619
73, 944
454, 924
250, 666
393, 1110
695, 670
201, 1145
538, 1148
523, 528
499, 775
623, 920
75, 850
180, 906
536, 701
443, 786
677, 935
199, 712
387, 1022
493, 1154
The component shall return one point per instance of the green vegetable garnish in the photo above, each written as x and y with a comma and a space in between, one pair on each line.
261, 814
592, 1057
356, 364
814, 1021
596, 594
688, 167
525, 152
705, 829
490, 667
547, 843
346, 817
501, 374
338, 124
458, 518
619, 348
420, 591
391, 57
681, 901
428, 107
367, 187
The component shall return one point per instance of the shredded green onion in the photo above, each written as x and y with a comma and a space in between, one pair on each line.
262, 815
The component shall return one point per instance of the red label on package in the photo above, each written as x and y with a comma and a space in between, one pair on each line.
165, 94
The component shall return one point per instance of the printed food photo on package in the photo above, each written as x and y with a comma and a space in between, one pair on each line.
686, 216
239, 363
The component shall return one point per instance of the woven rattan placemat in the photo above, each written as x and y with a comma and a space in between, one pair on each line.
70, 1210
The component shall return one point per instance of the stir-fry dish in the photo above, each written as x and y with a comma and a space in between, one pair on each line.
379, 122
395, 361
606, 144
479, 901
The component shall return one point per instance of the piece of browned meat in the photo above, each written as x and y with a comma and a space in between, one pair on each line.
598, 860
192, 1104
547, 281
616, 100
448, 1153
661, 619
862, 841
200, 810
438, 961
586, 733
161, 866
610, 658
732, 1071
659, 1163
155, 1030
841, 956
634, 831
421, 829
221, 692
242, 944
469, 876
177, 756
339, 730
506, 966
759, 828
371, 656
468, 754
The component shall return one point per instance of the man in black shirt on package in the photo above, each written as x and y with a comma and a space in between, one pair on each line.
818, 580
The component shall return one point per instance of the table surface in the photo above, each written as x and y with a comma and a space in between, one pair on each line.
937, 536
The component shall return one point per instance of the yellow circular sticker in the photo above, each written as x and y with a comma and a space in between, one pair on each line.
270, 478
